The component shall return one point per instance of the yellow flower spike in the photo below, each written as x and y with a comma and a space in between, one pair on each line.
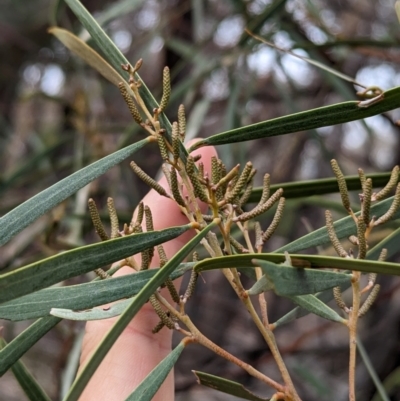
362, 242
366, 201
98, 225
113, 218
181, 122
342, 185
392, 210
265, 190
333, 237
369, 301
275, 221
166, 90
148, 180
260, 208
131, 104
176, 193
384, 192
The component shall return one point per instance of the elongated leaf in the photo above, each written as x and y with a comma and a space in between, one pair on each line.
321, 117
113, 55
390, 243
92, 314
153, 381
24, 341
371, 370
23, 215
343, 227
101, 351
300, 261
116, 58
315, 63
81, 296
31, 387
69, 264
86, 53
321, 186
289, 281
298, 312
30, 165
120, 8
316, 306
226, 386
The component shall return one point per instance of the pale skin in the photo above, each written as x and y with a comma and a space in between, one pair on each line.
137, 351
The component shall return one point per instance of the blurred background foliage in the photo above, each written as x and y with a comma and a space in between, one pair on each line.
57, 115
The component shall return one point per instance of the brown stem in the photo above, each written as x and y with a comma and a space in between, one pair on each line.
352, 323
201, 339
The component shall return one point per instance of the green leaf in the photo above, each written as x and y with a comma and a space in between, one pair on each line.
371, 370
101, 351
113, 54
390, 243
298, 312
82, 260
23, 215
300, 261
31, 387
315, 118
23, 169
226, 386
153, 381
343, 227
316, 306
322, 186
24, 341
119, 8
92, 314
81, 296
289, 281
116, 58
